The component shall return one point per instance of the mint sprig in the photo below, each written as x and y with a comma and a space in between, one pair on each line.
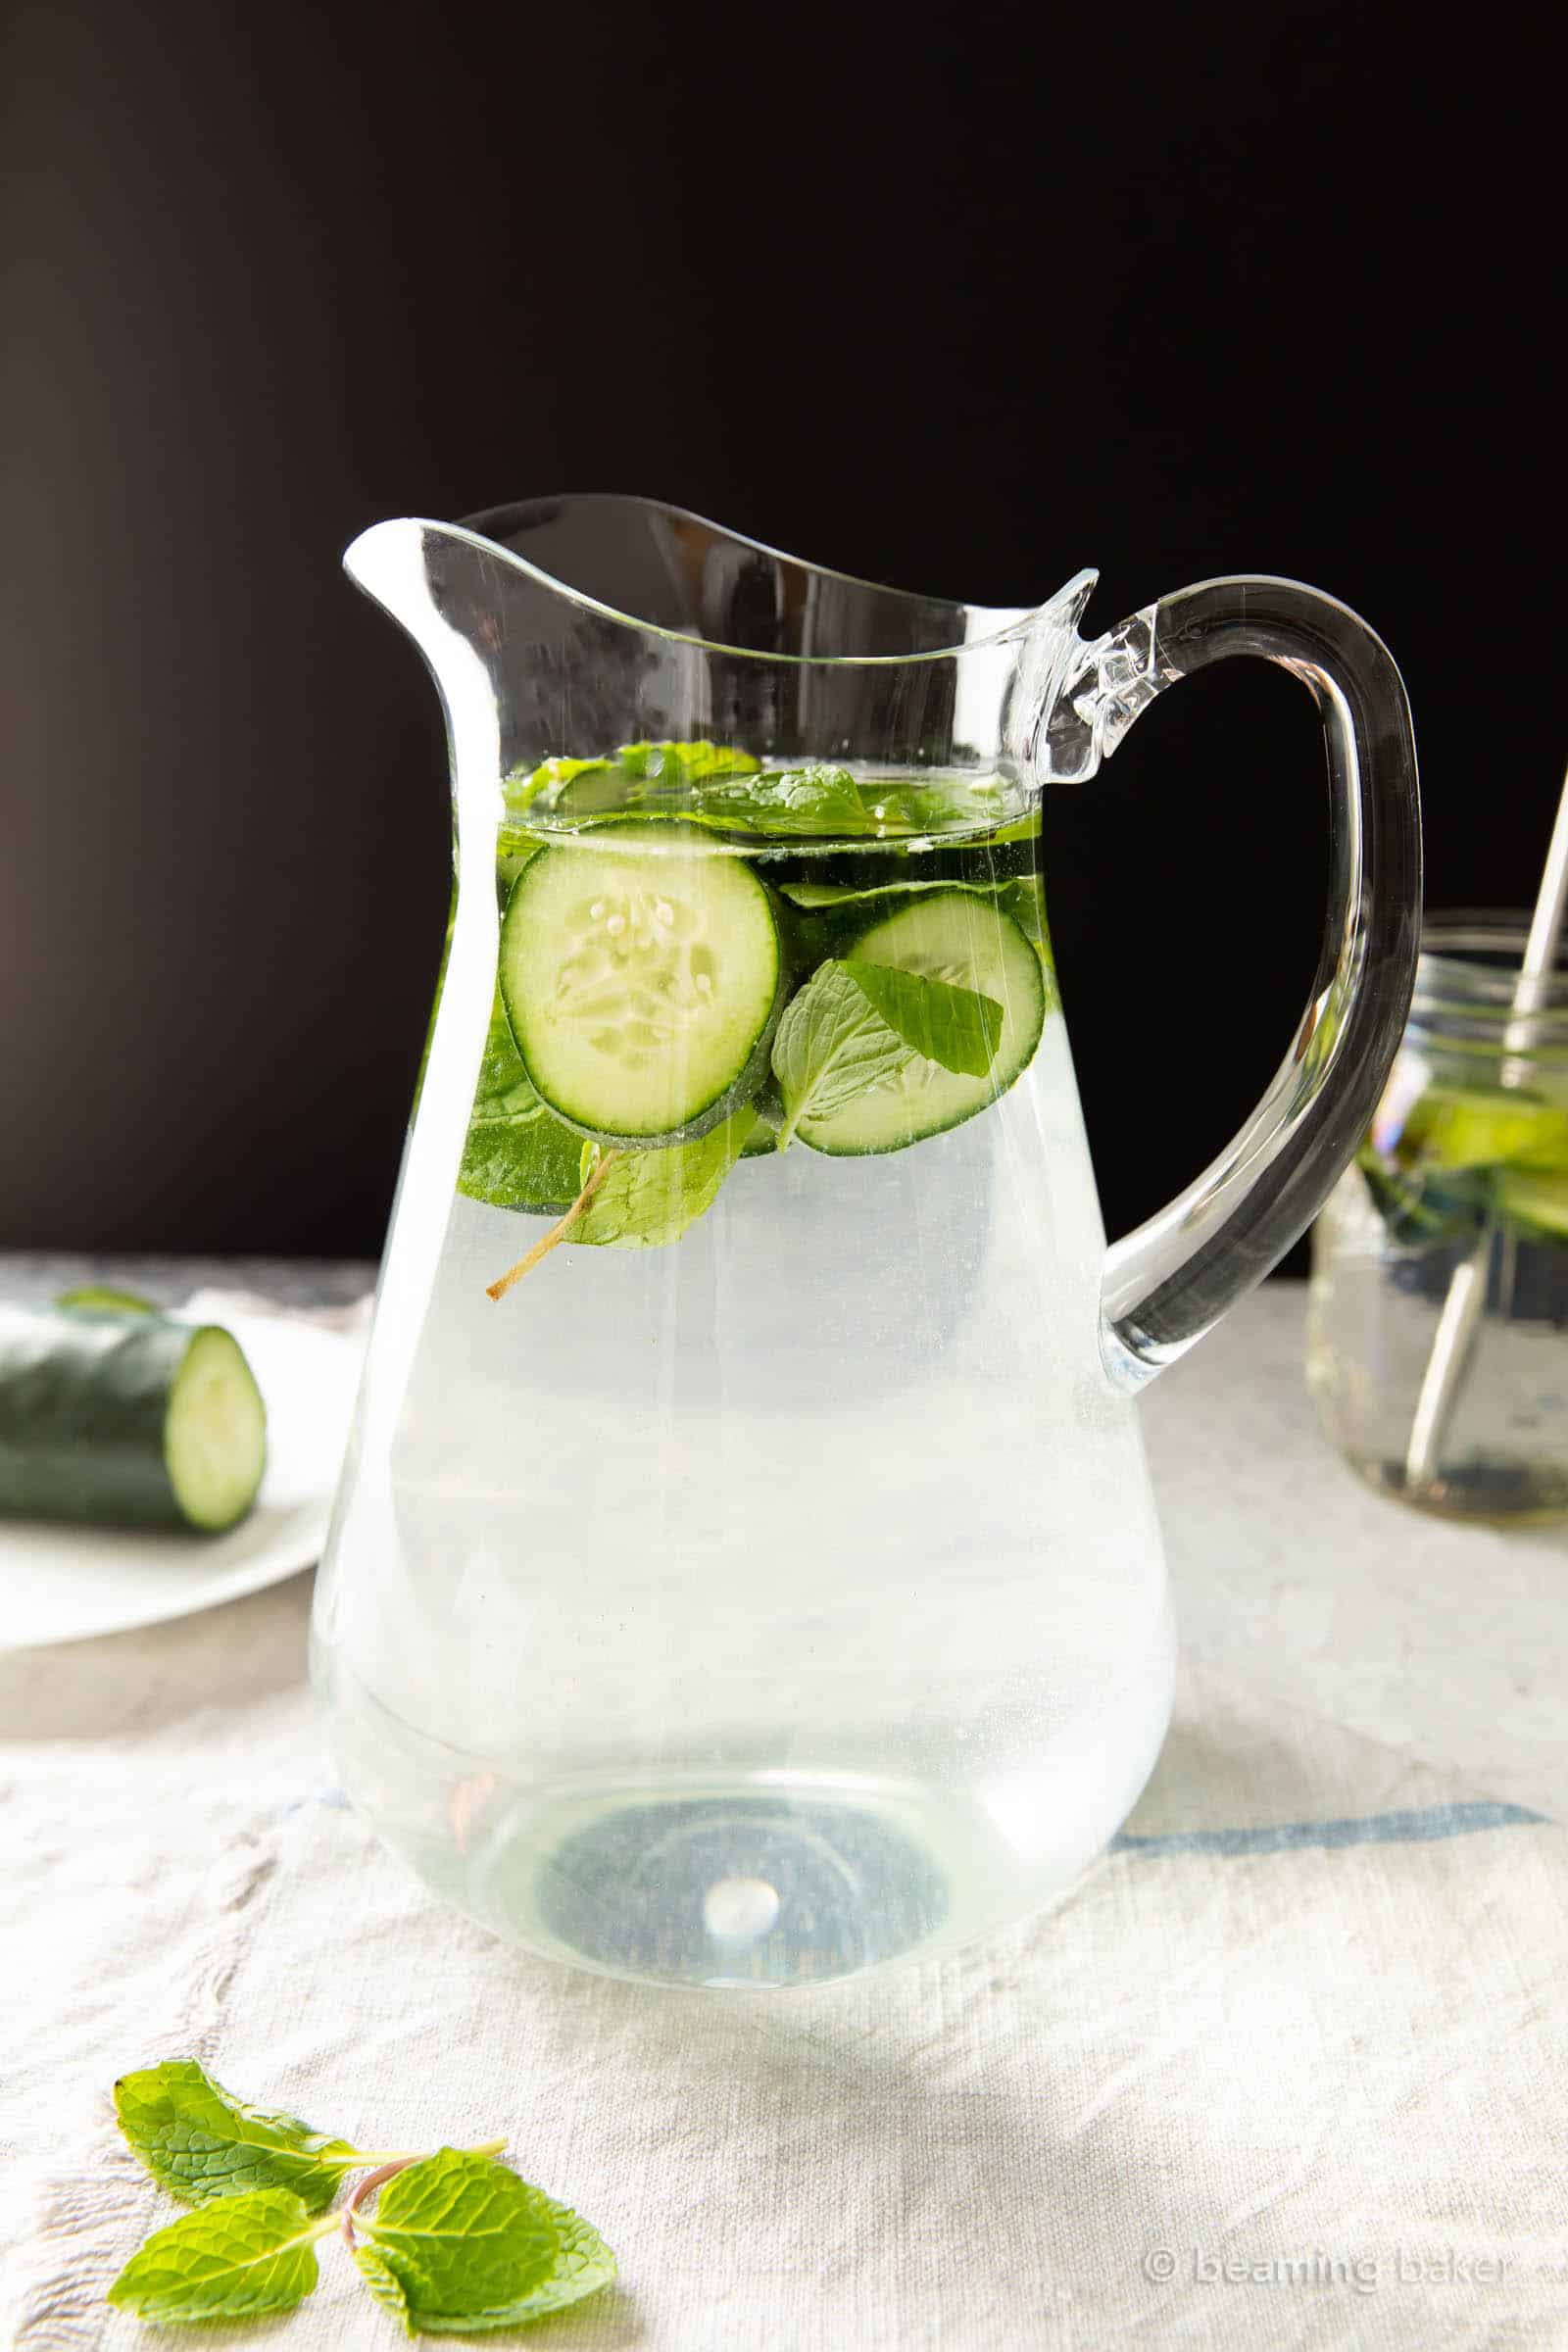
457, 2243
639, 1200
650, 1198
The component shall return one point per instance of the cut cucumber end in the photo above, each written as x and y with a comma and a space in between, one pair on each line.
968, 941
642, 979
215, 1433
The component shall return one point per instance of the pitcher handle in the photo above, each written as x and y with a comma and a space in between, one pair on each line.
1170, 1280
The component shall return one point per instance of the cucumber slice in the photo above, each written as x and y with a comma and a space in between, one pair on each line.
126, 1420
643, 982
966, 940
1463, 1127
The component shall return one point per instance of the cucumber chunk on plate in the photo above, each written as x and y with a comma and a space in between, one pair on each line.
642, 982
966, 940
126, 1419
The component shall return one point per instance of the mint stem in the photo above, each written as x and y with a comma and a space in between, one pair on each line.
558, 1232
388, 2171
363, 2189
489, 2147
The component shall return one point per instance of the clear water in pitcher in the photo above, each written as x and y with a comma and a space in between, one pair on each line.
763, 1581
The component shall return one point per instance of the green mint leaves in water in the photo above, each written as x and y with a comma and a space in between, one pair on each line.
714, 784
832, 1046
887, 970
856, 1027
957, 1027
457, 2242
650, 1198
640, 1200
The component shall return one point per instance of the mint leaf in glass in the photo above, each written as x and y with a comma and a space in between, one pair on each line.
831, 1046
672, 763
719, 785
811, 801
459, 2244
527, 1163
639, 1200
234, 2260
833, 803
200, 2142
549, 781
504, 1090
649, 1197
640, 777
956, 1027
515, 1155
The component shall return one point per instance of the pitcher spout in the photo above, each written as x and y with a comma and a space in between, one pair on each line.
564, 626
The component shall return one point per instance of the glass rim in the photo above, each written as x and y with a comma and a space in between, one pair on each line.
1011, 623
1467, 977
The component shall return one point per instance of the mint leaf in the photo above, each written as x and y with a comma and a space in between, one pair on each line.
516, 1153
199, 2142
832, 1046
385, 2285
504, 1090
643, 777
811, 800
527, 1163
719, 785
956, 1027
459, 2244
649, 1197
231, 2261
674, 764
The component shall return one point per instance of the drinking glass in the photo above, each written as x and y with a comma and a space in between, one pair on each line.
1462, 1175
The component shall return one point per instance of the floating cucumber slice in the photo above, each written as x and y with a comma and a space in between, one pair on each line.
966, 940
642, 975
126, 1419
1460, 1127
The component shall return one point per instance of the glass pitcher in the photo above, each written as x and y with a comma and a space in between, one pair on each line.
744, 1571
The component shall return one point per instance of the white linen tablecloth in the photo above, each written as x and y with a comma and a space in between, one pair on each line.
1287, 2069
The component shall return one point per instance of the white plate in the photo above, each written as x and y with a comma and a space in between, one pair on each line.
66, 1584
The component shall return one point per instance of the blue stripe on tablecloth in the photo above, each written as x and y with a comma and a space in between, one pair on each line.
1409, 1828
1367, 1829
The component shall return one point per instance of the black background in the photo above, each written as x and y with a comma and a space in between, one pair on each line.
961, 299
